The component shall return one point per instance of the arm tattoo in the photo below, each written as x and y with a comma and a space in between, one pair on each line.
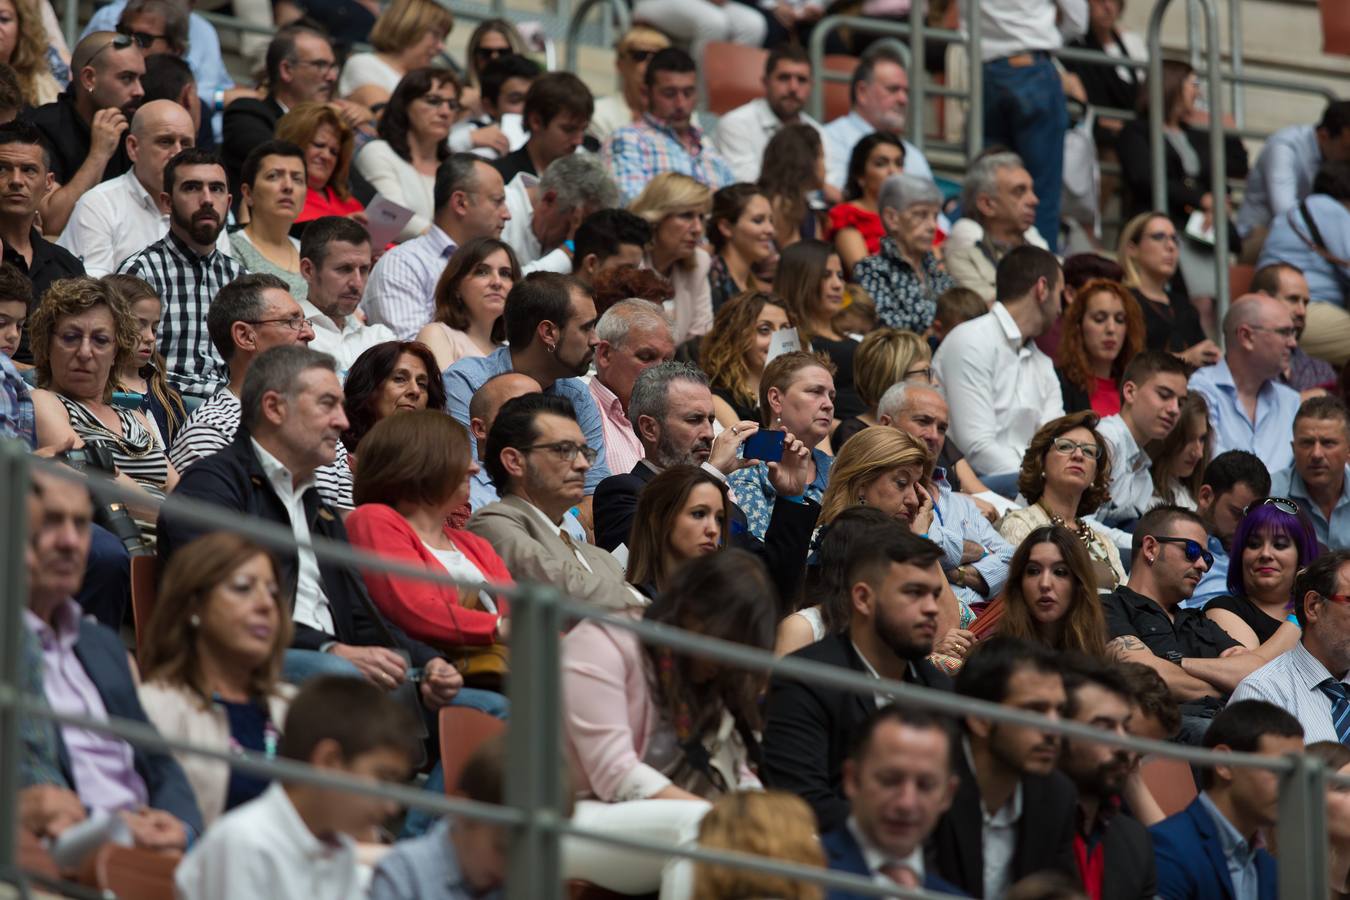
1126, 643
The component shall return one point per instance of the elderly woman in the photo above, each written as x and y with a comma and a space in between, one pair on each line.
674, 205
408, 35
906, 279
328, 144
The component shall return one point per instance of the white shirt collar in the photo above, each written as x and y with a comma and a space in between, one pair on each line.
542, 517
875, 858
137, 190
278, 475
1005, 816
1011, 332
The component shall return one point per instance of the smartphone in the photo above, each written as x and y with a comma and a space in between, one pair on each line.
765, 445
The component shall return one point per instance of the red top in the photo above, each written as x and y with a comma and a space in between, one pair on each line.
326, 203
426, 611
846, 215
1105, 397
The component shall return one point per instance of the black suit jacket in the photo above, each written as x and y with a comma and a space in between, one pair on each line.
247, 123
1127, 849
234, 479
812, 728
1044, 832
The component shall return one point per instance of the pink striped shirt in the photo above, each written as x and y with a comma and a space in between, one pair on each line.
622, 447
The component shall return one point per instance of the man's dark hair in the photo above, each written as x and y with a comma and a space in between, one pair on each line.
282, 48
538, 297
871, 553
1080, 670
1149, 363
11, 93
497, 73
785, 52
1325, 406
15, 285
995, 660
19, 131
899, 714
1019, 271
1322, 576
1233, 467
1151, 694
1240, 727
1333, 179
248, 173
1335, 117
457, 172
321, 233
371, 720
557, 93
165, 77
1267, 278
188, 156
483, 777
242, 300
867, 64
515, 427
603, 232
671, 59
1159, 521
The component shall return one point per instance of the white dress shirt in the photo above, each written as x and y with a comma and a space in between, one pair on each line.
1290, 681
1000, 387
311, 606
1010, 27
843, 134
115, 220
743, 133
519, 229
998, 835
401, 292
1131, 481
343, 343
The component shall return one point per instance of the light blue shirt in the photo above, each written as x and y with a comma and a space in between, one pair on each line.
466, 376
755, 494
1282, 176
424, 868
1237, 852
1276, 405
1213, 583
1131, 481
956, 519
844, 132
1285, 244
1334, 534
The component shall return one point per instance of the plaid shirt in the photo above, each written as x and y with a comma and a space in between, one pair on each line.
637, 153
186, 283
16, 405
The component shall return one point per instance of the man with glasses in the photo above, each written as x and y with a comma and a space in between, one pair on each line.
539, 460
1147, 624
1308, 680
1285, 281
187, 270
1249, 409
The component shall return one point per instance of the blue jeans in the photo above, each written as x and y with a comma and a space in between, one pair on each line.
490, 702
1024, 111
1004, 484
298, 666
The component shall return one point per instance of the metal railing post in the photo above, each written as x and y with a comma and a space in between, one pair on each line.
975, 109
1303, 829
13, 593
533, 745
918, 73
1237, 90
70, 25
616, 7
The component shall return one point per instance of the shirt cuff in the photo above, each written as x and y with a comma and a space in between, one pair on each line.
641, 783
713, 471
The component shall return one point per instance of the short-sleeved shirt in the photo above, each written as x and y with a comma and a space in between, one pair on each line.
1189, 636
1261, 624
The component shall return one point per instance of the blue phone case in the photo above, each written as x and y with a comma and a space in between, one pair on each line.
765, 445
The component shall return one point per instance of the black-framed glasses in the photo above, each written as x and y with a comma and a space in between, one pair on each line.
120, 42
1193, 549
924, 374
1065, 446
294, 323
566, 451
143, 39
1283, 504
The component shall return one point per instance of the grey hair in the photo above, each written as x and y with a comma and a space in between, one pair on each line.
897, 394
901, 191
982, 178
651, 390
621, 318
175, 17
580, 181
277, 370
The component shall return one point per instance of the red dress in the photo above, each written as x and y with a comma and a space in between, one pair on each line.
1105, 397
327, 203
846, 215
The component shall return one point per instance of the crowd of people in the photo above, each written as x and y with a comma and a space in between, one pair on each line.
767, 383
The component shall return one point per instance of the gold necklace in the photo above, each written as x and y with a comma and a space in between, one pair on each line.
1086, 536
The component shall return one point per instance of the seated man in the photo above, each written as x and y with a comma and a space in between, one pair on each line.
1317, 480
893, 581
744, 132
632, 337
335, 263
1285, 169
1212, 848
998, 205
299, 840
1231, 482
878, 97
1286, 281
607, 240
1152, 390
558, 108
85, 673
546, 211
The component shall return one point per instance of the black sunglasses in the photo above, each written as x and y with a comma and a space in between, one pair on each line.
1192, 549
142, 39
640, 56
120, 42
490, 53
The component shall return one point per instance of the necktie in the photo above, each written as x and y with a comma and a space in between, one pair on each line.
901, 874
1340, 708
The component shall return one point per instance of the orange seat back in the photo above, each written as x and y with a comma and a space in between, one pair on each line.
462, 731
733, 75
1335, 27
1171, 783
134, 874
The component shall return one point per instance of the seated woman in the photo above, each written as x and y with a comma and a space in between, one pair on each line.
1065, 477
414, 471
797, 396
25, 51
328, 143
885, 468
1148, 253
653, 736
741, 231
408, 35
682, 513
1272, 543
81, 333
211, 661
734, 353
793, 169
491, 40
144, 374
1079, 269
675, 205
1179, 460
887, 356
855, 224
402, 164
470, 298
907, 277
1101, 332
1291, 239
273, 186
810, 280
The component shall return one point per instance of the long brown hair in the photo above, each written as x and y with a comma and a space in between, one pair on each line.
170, 652
29, 57
658, 505
723, 350
450, 308
788, 175
1166, 451
1085, 624
1072, 358
133, 290
801, 270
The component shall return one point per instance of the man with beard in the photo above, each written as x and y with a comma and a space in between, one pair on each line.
538, 458
85, 126
550, 333
1013, 815
743, 133
1285, 281
893, 580
187, 270
1107, 839
335, 263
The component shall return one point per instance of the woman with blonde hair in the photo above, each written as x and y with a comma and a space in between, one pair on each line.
329, 145
887, 356
885, 468
1149, 255
408, 35
675, 206
771, 824
23, 47
735, 351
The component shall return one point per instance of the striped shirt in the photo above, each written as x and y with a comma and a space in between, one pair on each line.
186, 283
1290, 681
136, 451
401, 293
212, 427
637, 153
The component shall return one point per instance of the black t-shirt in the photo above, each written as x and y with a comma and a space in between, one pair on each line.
1189, 636
1172, 327
68, 139
50, 263
1264, 626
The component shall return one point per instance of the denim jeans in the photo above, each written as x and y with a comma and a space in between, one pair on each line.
1024, 111
298, 666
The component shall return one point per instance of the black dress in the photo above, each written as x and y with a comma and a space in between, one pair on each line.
1259, 621
1172, 327
746, 413
847, 403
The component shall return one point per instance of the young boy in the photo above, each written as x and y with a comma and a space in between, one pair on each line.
954, 306
16, 295
295, 840
16, 403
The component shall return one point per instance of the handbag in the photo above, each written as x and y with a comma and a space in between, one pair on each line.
482, 666
1318, 245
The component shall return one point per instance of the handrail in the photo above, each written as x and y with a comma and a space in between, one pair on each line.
617, 7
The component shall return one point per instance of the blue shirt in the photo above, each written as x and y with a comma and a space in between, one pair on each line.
17, 420
466, 376
956, 519
1334, 534
424, 868
1237, 852
1213, 583
1286, 244
1270, 437
755, 494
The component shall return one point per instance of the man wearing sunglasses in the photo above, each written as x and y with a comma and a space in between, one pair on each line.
1144, 618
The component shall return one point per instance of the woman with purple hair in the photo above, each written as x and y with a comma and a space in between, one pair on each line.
1272, 543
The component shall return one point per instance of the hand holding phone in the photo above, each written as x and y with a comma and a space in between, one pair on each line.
765, 445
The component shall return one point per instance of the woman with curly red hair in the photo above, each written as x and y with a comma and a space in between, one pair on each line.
1102, 331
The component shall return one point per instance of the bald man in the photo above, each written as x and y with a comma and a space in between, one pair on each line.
1249, 408
85, 127
119, 218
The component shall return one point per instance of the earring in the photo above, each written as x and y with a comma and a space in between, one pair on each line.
862, 501
195, 621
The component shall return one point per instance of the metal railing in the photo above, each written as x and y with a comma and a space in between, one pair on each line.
622, 18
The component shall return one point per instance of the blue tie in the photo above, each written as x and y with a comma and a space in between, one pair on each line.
1340, 708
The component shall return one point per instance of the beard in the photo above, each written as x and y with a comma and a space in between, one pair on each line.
202, 231
901, 642
667, 454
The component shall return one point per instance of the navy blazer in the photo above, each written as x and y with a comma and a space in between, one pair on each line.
104, 659
1191, 864
844, 855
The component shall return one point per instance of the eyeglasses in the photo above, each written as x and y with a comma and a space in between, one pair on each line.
74, 340
143, 39
1342, 599
121, 42
1191, 548
1289, 331
639, 56
322, 66
491, 53
435, 100
566, 451
919, 374
1066, 447
1283, 504
1163, 237
294, 323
